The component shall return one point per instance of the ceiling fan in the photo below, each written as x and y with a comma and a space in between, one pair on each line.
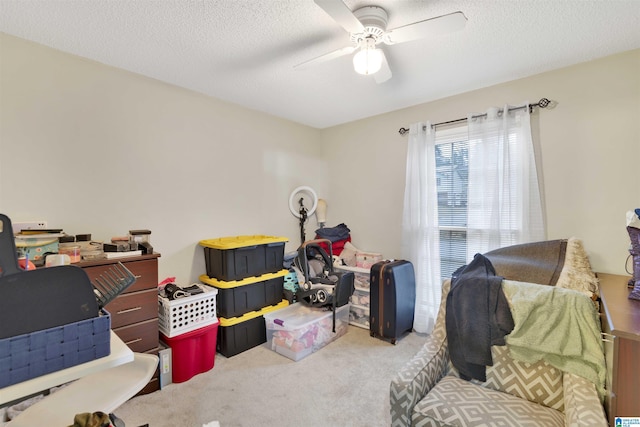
368, 29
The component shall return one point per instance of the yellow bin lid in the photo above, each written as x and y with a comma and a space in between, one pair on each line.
252, 314
221, 284
235, 242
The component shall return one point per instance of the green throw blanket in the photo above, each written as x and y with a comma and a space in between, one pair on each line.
559, 326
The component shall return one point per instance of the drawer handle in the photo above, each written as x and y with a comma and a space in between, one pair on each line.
607, 337
129, 310
133, 341
138, 276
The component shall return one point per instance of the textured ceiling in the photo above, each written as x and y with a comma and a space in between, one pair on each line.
244, 51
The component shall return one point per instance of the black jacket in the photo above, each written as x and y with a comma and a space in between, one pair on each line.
477, 317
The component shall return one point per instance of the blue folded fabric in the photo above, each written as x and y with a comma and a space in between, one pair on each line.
334, 234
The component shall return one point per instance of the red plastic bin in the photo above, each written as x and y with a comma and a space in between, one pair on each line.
193, 352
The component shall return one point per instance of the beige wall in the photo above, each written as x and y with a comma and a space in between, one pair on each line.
589, 145
94, 149
91, 148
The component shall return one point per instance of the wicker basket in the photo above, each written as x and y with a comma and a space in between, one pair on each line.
28, 356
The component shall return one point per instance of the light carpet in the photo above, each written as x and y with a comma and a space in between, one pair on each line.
345, 383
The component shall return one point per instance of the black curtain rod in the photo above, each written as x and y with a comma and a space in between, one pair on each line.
543, 103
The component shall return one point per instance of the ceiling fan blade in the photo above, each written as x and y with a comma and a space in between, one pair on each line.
430, 27
384, 73
327, 57
341, 14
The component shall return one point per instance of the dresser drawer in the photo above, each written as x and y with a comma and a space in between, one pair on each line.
153, 385
154, 382
146, 272
133, 307
140, 337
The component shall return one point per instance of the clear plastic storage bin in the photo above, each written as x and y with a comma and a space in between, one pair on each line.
297, 331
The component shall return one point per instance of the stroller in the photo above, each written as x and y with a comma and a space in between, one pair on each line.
325, 288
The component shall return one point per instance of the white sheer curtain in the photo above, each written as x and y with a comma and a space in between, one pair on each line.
420, 234
503, 198
503, 201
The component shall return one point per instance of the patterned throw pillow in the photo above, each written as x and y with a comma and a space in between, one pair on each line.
455, 402
536, 382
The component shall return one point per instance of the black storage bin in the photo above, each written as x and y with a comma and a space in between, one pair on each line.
239, 257
236, 298
239, 334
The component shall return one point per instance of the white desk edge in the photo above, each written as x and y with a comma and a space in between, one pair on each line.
120, 354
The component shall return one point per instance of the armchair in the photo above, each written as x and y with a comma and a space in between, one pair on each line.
428, 390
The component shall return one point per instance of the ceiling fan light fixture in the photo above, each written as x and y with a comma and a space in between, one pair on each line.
367, 27
369, 59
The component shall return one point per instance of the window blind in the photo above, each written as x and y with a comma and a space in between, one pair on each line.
452, 175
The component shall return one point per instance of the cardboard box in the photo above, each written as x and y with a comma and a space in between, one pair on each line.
164, 356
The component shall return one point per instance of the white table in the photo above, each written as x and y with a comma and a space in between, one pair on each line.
100, 385
120, 354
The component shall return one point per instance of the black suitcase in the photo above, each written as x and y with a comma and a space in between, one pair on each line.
393, 297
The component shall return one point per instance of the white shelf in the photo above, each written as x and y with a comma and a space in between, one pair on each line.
354, 269
359, 325
359, 271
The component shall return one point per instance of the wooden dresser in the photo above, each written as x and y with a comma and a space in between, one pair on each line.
621, 327
134, 313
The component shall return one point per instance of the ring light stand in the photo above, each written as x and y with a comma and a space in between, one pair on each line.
299, 199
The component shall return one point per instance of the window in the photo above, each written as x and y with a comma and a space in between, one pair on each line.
470, 188
452, 176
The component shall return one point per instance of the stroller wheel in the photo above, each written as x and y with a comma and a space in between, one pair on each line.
322, 295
